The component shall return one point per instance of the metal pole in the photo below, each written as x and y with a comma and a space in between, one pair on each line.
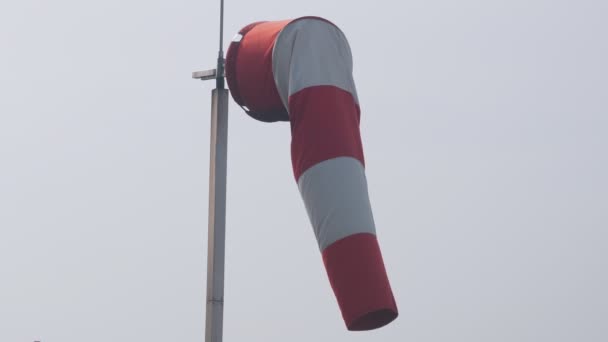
221, 54
217, 216
216, 239
219, 81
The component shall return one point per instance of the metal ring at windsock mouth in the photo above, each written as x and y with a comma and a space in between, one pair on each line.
232, 80
231, 56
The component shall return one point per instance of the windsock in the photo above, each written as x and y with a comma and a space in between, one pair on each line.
301, 71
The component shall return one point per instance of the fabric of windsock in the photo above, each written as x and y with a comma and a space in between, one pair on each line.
310, 63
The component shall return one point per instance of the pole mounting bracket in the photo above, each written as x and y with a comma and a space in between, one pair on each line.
205, 74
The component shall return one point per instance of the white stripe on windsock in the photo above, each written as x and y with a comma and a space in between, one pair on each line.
336, 198
298, 64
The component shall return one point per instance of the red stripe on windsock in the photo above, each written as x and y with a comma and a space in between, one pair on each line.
324, 125
357, 276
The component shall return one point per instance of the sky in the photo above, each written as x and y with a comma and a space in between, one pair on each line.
485, 131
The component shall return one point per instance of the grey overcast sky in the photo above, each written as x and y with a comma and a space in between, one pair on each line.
485, 129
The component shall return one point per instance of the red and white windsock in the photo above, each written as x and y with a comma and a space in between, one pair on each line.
301, 71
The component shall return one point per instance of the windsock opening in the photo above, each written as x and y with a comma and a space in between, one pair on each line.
301, 71
249, 71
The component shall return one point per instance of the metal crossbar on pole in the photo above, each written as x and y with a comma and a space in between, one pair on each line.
217, 194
